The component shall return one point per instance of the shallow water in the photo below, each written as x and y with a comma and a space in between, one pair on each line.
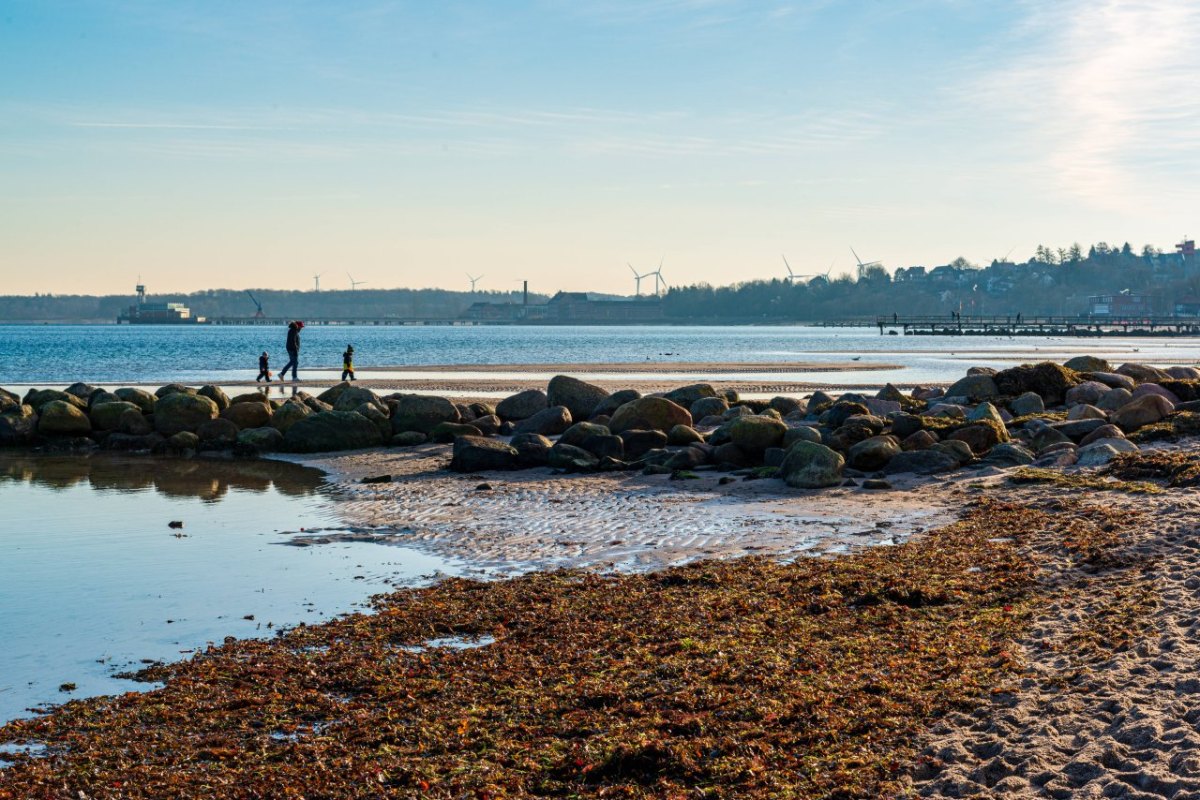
93, 581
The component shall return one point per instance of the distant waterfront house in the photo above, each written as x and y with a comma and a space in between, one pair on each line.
1124, 304
1187, 307
910, 274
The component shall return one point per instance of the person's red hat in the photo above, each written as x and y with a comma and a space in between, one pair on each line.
299, 324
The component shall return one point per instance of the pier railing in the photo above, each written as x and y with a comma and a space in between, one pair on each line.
1020, 325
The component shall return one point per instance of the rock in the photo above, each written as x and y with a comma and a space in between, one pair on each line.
332, 394
1142, 373
580, 398
61, 418
946, 411
105, 416
217, 395
802, 433
180, 411
313, 403
328, 431
1009, 454
1095, 455
1103, 432
81, 390
578, 433
819, 401
927, 393
476, 454
1118, 443
683, 435
130, 443
921, 440
1076, 429
1088, 392
354, 396
890, 392
1184, 373
218, 433
173, 388
640, 442
985, 412
811, 466
876, 484
959, 451
1114, 399
184, 440
1028, 403
707, 407
755, 434
881, 408
773, 456
36, 398
1142, 411
1085, 412
1088, 364
532, 450
1113, 380
415, 412
1047, 437
100, 397
786, 405
686, 395
736, 412
729, 454
547, 422
975, 388
18, 426
873, 454
922, 462
837, 414
465, 413
289, 414
614, 401
8, 401
905, 425
572, 459
604, 445
980, 436
649, 413
139, 397
686, 458
1056, 459
522, 405
447, 432
1049, 380
408, 439
482, 410
248, 414
134, 423
1154, 388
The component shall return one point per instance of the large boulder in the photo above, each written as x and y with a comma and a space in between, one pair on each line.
217, 434
649, 413
36, 398
580, 432
61, 418
331, 395
139, 397
522, 405
975, 388
1114, 399
922, 462
1088, 364
331, 430
532, 449
580, 398
173, 388
1154, 388
836, 415
475, 454
1113, 380
1028, 403
980, 436
547, 422
447, 432
755, 434
181, 411
1143, 373
1087, 393
1047, 379
686, 395
105, 416
802, 433
1142, 411
683, 435
708, 407
380, 419
354, 396
81, 390
572, 458
18, 426
614, 401
248, 415
266, 440
134, 423
1009, 454
8, 401
639, 442
216, 394
874, 453
289, 414
414, 412
811, 466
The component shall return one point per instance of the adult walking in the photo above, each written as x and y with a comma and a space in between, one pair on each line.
293, 350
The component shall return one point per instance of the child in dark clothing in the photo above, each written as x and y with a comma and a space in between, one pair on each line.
264, 370
348, 363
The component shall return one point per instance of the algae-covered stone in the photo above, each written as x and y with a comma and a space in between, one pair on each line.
18, 426
959, 451
183, 440
580, 432
571, 458
139, 397
836, 415
181, 411
1047, 379
922, 462
409, 439
975, 388
1026, 404
216, 394
980, 436
173, 388
267, 440
639, 442
134, 423
61, 418
447, 432
289, 414
683, 435
533, 450
415, 412
1009, 454
755, 434
614, 401
1088, 364
331, 395
686, 395
354, 396
36, 398
801, 433
808, 465
248, 414
547, 422
580, 398
708, 407
105, 416
649, 413
331, 430
475, 454
874, 453
522, 405
217, 433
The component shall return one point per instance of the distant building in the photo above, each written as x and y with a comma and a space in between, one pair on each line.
1125, 304
910, 274
566, 308
144, 313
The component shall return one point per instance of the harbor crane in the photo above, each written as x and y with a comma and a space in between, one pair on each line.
259, 313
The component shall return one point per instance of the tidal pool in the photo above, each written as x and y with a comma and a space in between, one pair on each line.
94, 581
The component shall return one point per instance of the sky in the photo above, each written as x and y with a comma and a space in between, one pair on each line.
255, 143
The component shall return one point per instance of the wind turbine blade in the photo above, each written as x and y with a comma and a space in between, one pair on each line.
631, 269
856, 258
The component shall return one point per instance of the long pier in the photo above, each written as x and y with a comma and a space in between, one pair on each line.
1013, 325
309, 321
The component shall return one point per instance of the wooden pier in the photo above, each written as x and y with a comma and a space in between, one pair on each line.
1009, 325
310, 321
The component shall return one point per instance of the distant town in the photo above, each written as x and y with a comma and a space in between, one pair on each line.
1100, 281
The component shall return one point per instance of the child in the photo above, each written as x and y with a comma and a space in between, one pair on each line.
348, 363
264, 370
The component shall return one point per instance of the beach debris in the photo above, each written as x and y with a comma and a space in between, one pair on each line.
66, 687
377, 479
175, 523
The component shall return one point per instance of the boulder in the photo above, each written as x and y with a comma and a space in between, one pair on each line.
905, 425
578, 433
686, 395
1113, 380
734, 412
331, 395
1009, 454
134, 423
640, 442
1103, 432
755, 434
8, 401
217, 395
683, 435
1088, 393
881, 408
729, 455
313, 403
465, 412
36, 398
1184, 373
789, 405
604, 445
128, 442
922, 462
921, 440
219, 433
408, 439
614, 401
1114, 399
837, 414
873, 454
811, 466
18, 426
580, 398
81, 390
1154, 388
708, 407
105, 416
415, 412
522, 405
447, 432
1025, 404
377, 416
249, 414
1088, 364
946, 411
488, 424
686, 458
173, 388
547, 422
1143, 373
61, 418
532, 449
985, 412
1142, 411
1085, 411
265, 440
571, 458
183, 441
819, 401
289, 414
649, 413
354, 396
1046, 437
139, 397
960, 451
100, 397
975, 388
328, 431
1049, 380
476, 454
801, 433
1095, 455
980, 436
482, 410
180, 411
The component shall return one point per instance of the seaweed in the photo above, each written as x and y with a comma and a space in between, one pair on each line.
1039, 475
1177, 469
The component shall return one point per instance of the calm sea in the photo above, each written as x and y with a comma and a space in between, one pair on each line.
60, 354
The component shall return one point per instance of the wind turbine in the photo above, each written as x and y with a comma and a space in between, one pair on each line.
317, 281
353, 283
862, 268
791, 276
658, 278
473, 281
638, 278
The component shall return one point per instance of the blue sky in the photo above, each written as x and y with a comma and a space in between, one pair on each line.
247, 144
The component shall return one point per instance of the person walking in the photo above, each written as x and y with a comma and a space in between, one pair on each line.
348, 363
293, 350
264, 368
